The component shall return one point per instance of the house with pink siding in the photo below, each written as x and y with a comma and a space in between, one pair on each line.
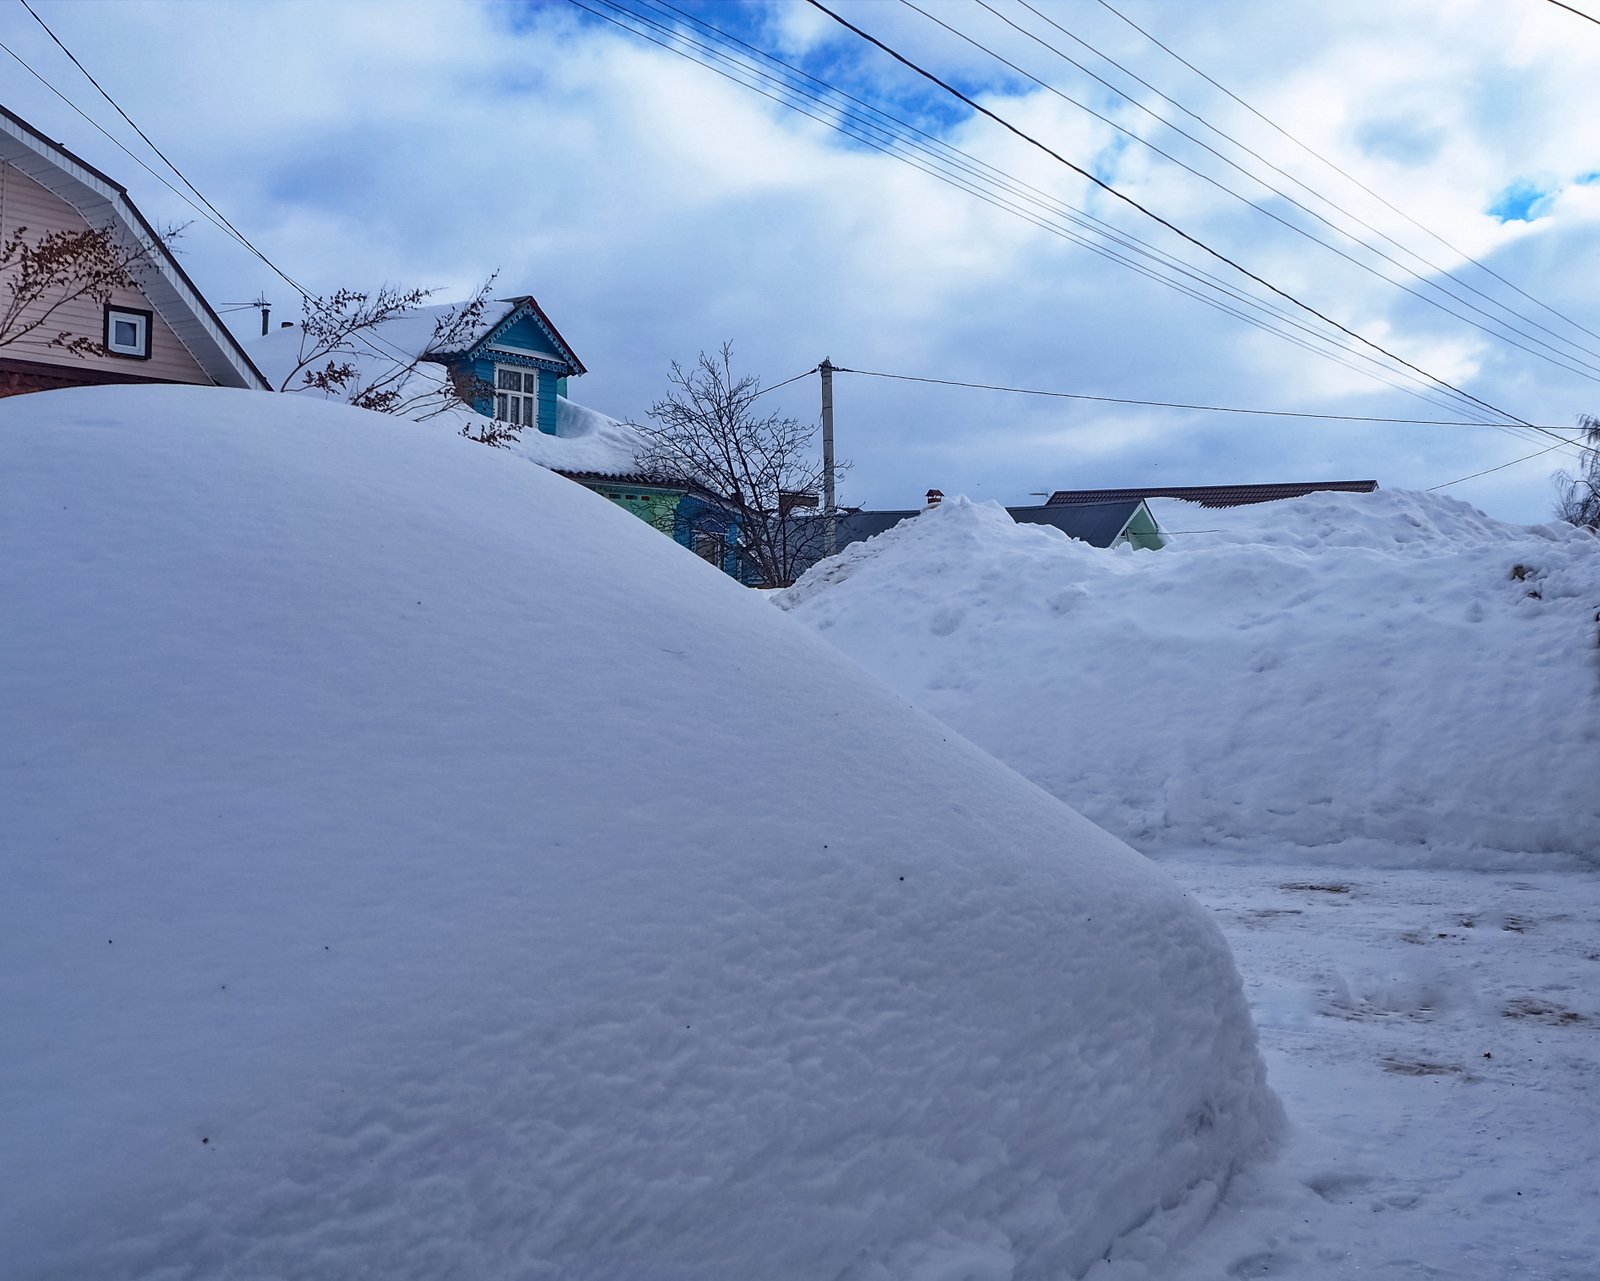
161, 330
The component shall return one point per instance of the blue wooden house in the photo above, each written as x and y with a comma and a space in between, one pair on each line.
513, 370
516, 366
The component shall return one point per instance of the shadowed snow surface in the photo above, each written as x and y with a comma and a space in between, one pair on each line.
1387, 675
417, 867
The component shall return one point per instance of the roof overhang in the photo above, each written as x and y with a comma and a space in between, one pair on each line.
104, 203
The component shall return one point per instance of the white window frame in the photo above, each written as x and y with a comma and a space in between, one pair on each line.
139, 347
514, 402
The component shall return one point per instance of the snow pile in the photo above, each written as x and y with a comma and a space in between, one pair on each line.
417, 867
1333, 670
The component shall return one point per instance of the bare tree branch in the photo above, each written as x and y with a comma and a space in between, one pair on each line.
343, 355
1578, 496
761, 468
39, 276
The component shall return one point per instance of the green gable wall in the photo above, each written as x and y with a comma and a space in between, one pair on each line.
1142, 531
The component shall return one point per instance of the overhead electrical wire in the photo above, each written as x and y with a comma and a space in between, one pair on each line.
1170, 404
1560, 5
983, 172
884, 139
1290, 177
1488, 470
20, 61
804, 373
375, 342
1151, 214
1556, 358
217, 216
670, 33
1351, 178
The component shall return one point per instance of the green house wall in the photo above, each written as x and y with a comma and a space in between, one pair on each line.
1142, 531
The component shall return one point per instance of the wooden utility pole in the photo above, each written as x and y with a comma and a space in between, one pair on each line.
829, 531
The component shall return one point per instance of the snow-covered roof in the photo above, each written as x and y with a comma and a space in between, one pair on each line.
1324, 671
551, 338
586, 442
400, 340
419, 866
104, 203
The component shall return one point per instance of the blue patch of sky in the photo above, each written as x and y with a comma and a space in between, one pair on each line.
1523, 201
842, 61
1104, 165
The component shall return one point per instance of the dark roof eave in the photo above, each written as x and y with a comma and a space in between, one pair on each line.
1212, 495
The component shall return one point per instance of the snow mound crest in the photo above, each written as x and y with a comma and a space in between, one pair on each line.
418, 867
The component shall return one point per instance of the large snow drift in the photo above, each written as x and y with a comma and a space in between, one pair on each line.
417, 867
1336, 669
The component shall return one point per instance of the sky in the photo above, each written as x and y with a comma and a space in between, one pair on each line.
657, 209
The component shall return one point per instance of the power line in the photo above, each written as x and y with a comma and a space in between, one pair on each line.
1557, 358
1579, 12
974, 170
16, 57
803, 374
374, 341
1149, 213
1311, 191
1168, 404
1487, 470
1351, 178
217, 213
886, 139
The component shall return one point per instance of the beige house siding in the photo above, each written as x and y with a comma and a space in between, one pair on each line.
24, 203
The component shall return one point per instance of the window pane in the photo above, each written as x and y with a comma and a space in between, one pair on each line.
508, 380
125, 333
500, 408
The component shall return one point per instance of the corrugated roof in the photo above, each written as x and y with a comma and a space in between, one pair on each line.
858, 526
1212, 495
1098, 524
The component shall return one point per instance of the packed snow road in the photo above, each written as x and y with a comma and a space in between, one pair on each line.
1435, 1037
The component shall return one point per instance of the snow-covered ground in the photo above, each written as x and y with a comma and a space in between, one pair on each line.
1435, 1037
416, 866
1379, 713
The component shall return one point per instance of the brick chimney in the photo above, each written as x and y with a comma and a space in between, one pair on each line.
935, 497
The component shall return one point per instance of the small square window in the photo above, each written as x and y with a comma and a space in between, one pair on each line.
127, 332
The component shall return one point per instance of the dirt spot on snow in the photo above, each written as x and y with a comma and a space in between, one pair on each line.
1531, 1007
1316, 887
1424, 936
1423, 1067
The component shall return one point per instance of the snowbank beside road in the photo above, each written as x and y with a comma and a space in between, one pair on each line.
416, 866
1327, 671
